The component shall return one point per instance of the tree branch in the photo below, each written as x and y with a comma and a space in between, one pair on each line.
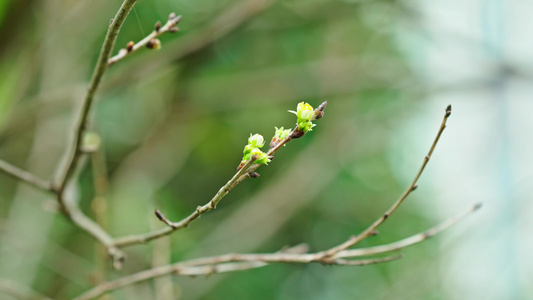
99, 70
71, 210
338, 255
241, 262
173, 226
367, 232
170, 26
223, 264
412, 240
26, 177
242, 173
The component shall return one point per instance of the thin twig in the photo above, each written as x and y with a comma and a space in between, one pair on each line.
334, 256
240, 262
222, 264
173, 226
99, 70
170, 26
71, 210
367, 232
95, 230
243, 173
412, 240
217, 28
26, 176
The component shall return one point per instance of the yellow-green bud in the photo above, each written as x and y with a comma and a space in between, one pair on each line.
304, 114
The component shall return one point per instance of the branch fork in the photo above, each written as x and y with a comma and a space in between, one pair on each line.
150, 41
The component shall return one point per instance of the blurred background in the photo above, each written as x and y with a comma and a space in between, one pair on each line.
173, 124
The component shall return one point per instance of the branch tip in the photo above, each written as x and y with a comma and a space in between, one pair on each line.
159, 215
448, 110
319, 111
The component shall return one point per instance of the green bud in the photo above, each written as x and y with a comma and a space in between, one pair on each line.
281, 133
246, 153
256, 140
91, 142
304, 114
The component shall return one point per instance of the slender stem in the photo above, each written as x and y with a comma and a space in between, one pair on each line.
367, 232
241, 174
95, 230
99, 70
26, 176
171, 23
173, 226
221, 264
239, 262
412, 240
71, 210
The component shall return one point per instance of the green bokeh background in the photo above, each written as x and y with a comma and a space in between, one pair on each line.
173, 124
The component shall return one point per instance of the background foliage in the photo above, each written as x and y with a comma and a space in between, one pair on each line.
173, 123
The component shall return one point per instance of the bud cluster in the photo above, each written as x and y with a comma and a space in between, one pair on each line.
279, 135
305, 114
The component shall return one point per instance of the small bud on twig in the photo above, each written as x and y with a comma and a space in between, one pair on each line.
297, 133
154, 44
172, 16
157, 26
254, 175
173, 29
159, 215
319, 111
91, 142
448, 110
129, 46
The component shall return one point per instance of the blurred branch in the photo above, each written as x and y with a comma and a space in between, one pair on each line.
243, 172
71, 210
149, 40
101, 67
92, 228
68, 207
223, 264
367, 232
223, 24
25, 176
